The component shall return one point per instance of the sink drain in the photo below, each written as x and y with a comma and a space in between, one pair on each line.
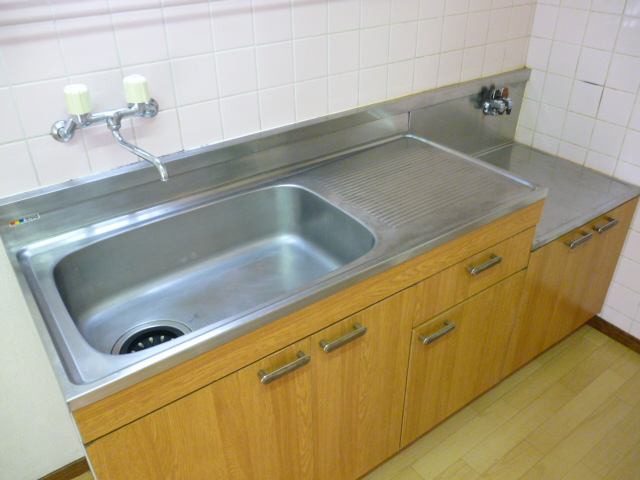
149, 335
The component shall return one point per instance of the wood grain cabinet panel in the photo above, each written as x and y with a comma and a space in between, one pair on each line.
358, 389
456, 283
463, 363
610, 244
565, 287
352, 406
236, 428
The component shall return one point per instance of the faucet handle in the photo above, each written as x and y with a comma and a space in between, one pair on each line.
136, 89
507, 101
499, 94
77, 99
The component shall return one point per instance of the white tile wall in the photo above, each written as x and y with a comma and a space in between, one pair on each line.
274, 64
312, 98
225, 68
400, 79
583, 103
272, 21
237, 72
277, 106
232, 24
343, 91
199, 123
344, 52
310, 58
309, 18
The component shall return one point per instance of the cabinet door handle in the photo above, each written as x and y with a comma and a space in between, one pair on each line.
583, 239
267, 378
358, 331
448, 326
493, 261
609, 224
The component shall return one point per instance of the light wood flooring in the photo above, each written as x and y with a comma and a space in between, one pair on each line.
571, 414
85, 476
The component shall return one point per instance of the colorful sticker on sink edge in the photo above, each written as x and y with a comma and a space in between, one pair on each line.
28, 219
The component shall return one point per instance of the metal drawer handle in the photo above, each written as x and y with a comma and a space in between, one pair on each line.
267, 378
610, 223
358, 331
494, 260
440, 333
584, 239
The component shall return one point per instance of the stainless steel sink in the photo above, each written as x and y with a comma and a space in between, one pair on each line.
204, 266
126, 289
209, 267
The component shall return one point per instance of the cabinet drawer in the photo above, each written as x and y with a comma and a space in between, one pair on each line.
460, 281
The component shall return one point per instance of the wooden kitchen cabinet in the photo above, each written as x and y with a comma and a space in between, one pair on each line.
236, 428
358, 388
338, 417
463, 358
565, 287
122, 408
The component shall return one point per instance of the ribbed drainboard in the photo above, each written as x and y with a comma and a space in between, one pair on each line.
396, 187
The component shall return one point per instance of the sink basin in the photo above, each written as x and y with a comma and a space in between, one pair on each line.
214, 268
204, 266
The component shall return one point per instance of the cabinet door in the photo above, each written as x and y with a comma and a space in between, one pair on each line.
552, 297
458, 355
565, 287
610, 231
358, 388
236, 428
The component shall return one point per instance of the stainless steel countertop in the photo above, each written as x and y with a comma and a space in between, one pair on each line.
576, 195
412, 194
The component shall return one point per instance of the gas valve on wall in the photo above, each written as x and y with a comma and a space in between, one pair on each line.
496, 102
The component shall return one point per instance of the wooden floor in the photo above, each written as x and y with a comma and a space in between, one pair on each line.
85, 476
571, 414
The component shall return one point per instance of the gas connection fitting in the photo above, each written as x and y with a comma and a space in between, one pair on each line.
496, 102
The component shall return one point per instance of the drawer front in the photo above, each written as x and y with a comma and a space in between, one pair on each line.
472, 275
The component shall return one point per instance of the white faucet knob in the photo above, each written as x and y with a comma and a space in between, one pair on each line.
136, 89
78, 99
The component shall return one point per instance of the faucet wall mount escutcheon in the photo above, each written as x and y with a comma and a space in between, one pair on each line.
140, 104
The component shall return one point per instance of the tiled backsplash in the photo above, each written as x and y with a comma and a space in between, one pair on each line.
225, 68
583, 103
222, 69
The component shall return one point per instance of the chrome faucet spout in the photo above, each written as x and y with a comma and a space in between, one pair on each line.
155, 161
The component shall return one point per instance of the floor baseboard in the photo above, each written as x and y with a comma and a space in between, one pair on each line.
69, 472
615, 333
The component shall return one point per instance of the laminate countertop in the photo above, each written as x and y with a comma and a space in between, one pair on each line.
576, 193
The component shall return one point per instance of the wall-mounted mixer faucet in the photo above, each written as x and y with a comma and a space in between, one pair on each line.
139, 102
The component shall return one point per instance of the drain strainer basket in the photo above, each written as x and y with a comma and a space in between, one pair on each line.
149, 335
